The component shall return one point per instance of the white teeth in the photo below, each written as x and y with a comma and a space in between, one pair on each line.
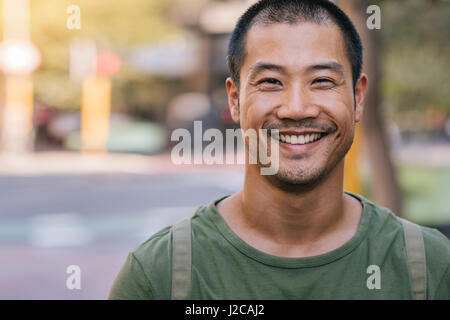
293, 139
301, 139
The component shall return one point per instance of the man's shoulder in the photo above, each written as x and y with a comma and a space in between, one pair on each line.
381, 219
385, 221
386, 225
159, 243
156, 243
437, 253
437, 245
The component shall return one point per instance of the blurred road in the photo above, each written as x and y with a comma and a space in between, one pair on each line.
51, 221
59, 209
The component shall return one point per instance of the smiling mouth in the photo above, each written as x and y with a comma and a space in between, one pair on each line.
295, 139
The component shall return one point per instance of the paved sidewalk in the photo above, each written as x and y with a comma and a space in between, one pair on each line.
62, 162
437, 155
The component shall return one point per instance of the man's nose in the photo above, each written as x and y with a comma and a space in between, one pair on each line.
297, 104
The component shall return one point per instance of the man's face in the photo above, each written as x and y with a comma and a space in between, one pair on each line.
297, 79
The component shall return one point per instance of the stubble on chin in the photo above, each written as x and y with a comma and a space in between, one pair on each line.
300, 176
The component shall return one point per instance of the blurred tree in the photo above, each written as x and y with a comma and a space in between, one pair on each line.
386, 191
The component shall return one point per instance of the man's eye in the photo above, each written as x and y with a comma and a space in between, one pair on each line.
269, 81
324, 81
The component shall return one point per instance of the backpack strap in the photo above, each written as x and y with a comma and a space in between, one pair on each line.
415, 251
181, 259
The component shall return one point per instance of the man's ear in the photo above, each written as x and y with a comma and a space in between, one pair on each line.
360, 94
233, 99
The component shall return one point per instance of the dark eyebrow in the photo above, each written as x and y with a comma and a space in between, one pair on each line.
262, 66
333, 66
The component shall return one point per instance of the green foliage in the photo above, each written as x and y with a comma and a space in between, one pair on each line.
416, 78
415, 37
122, 22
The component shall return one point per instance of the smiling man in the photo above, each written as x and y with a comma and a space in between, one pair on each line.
295, 67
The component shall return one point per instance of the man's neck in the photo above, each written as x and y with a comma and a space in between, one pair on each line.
292, 221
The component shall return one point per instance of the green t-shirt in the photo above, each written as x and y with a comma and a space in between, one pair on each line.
371, 265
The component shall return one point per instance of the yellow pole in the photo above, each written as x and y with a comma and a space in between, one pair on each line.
95, 111
352, 174
352, 179
17, 129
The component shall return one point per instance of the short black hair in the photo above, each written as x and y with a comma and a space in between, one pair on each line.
292, 12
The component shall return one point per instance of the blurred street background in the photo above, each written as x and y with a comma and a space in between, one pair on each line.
90, 92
